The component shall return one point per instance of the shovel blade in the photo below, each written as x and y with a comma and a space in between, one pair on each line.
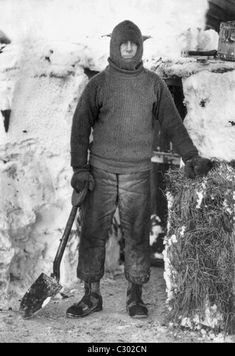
43, 288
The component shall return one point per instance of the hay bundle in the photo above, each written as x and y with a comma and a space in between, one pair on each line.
200, 249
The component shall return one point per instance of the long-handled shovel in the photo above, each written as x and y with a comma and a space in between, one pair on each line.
45, 287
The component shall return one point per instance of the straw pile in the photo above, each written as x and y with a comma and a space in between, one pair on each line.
200, 249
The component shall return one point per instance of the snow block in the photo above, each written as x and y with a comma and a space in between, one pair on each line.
35, 162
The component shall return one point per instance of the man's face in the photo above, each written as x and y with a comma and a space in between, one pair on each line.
128, 50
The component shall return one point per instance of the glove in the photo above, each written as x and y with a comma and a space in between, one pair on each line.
80, 178
197, 166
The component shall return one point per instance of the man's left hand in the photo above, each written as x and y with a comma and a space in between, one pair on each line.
197, 166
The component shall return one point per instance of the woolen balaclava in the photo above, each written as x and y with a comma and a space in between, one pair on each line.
123, 32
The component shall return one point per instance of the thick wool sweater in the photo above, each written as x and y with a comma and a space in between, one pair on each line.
119, 105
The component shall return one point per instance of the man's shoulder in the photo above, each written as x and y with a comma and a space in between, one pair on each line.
153, 75
97, 79
155, 78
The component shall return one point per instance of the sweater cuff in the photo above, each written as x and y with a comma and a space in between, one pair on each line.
84, 168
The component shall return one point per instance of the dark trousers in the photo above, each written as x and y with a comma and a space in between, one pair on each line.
131, 194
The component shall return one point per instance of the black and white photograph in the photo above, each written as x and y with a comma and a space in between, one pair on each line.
117, 173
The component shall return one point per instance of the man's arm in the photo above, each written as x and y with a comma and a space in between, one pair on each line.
84, 117
171, 123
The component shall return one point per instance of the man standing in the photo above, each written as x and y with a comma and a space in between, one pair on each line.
120, 104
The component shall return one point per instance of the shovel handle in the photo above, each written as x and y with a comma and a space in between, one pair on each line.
77, 199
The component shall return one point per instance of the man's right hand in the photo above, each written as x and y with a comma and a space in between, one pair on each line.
80, 178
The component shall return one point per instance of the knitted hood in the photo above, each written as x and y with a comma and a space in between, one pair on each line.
123, 32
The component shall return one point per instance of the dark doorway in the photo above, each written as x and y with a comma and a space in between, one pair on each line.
158, 182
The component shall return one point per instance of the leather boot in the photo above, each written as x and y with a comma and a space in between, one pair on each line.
135, 305
91, 302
